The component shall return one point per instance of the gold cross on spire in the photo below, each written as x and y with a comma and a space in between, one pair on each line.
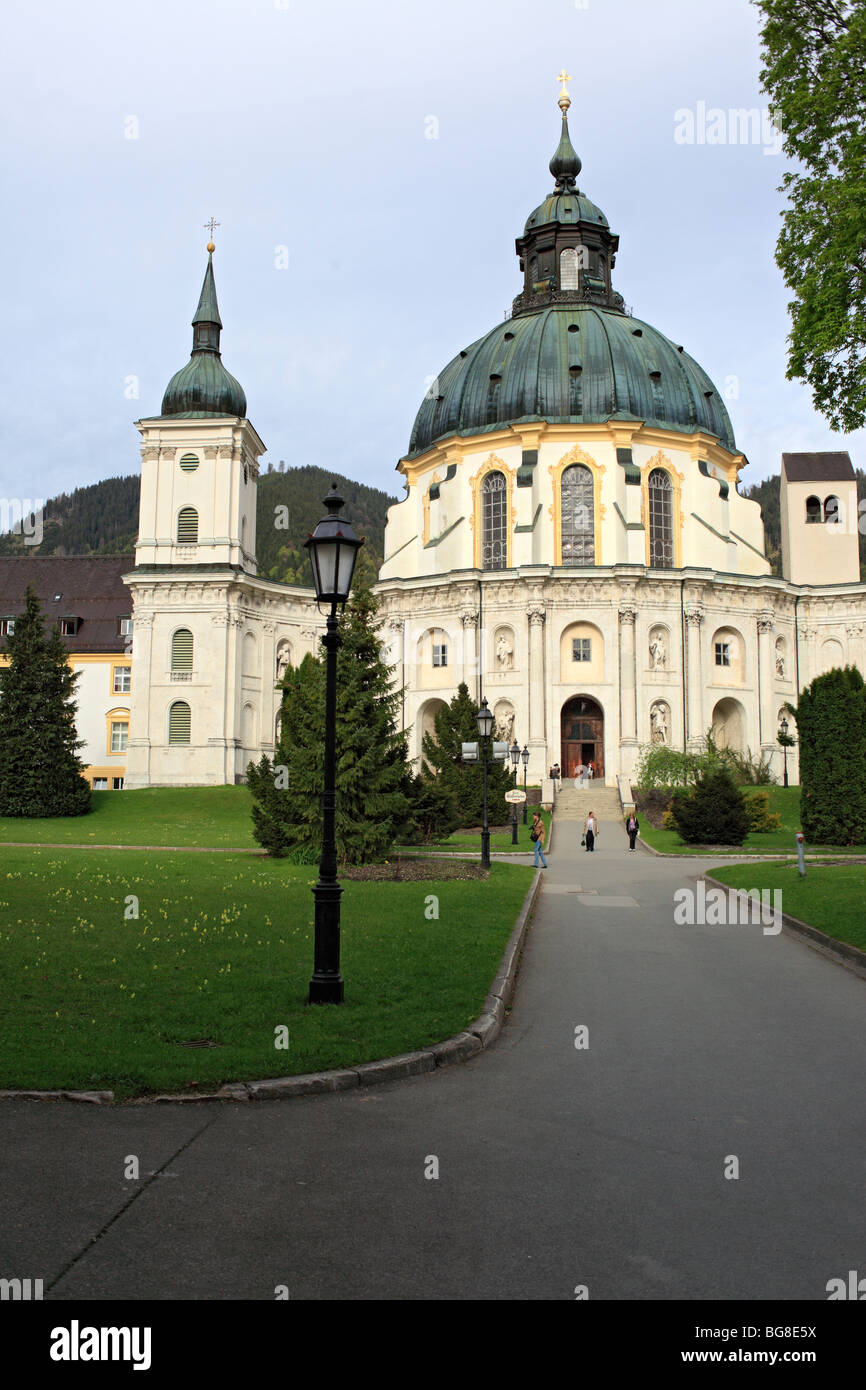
210, 226
564, 99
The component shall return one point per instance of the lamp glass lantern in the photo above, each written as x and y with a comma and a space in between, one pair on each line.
333, 548
484, 719
525, 756
515, 754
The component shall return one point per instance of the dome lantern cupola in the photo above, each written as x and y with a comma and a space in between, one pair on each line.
203, 387
567, 249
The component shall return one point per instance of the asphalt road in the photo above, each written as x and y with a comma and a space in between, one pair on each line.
558, 1166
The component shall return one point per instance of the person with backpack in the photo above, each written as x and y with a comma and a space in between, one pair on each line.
536, 834
632, 826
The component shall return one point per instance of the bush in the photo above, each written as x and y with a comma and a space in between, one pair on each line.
761, 818
714, 813
668, 820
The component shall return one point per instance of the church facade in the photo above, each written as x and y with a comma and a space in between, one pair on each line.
572, 544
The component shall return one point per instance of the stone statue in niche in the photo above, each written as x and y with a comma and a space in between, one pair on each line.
504, 653
659, 723
780, 665
284, 656
505, 724
658, 652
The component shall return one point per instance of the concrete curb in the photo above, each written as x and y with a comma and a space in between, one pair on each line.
839, 951
460, 1048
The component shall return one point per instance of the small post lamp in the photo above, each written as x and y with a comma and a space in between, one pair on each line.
786, 743
333, 548
525, 759
484, 719
515, 759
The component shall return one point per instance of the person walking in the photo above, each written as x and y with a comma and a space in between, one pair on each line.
590, 832
632, 825
536, 834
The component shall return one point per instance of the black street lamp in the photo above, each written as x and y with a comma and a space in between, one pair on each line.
333, 548
484, 719
785, 742
515, 759
525, 759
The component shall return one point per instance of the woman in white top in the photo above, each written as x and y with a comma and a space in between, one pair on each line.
590, 832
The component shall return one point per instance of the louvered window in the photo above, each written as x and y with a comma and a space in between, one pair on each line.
187, 526
578, 516
661, 526
182, 652
179, 723
494, 536
189, 463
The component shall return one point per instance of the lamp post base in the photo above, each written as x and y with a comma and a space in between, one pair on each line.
485, 849
326, 990
326, 985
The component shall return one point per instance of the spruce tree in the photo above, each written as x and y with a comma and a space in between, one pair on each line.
715, 812
831, 732
454, 725
40, 771
373, 775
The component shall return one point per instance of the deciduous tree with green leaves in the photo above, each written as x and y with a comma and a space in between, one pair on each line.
814, 55
40, 770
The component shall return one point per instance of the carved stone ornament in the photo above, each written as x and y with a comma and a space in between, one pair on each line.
766, 624
660, 722
658, 651
694, 616
627, 615
469, 618
536, 614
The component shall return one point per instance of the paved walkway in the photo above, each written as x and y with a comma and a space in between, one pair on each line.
557, 1166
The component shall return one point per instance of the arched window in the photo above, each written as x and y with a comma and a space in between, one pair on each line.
661, 522
187, 526
832, 511
249, 656
813, 510
569, 269
182, 650
179, 721
578, 516
494, 533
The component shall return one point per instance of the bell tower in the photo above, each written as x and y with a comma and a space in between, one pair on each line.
200, 460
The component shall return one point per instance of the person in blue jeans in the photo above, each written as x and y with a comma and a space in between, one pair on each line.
536, 834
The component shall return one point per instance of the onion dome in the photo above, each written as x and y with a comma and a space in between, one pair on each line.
203, 387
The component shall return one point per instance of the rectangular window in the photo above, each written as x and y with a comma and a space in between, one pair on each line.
68, 627
723, 653
7, 627
126, 627
100, 784
119, 735
117, 784
122, 680
440, 654
581, 649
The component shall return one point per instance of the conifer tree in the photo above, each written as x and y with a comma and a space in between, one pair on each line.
454, 725
373, 775
40, 771
831, 731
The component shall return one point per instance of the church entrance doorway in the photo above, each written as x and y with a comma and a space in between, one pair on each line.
582, 734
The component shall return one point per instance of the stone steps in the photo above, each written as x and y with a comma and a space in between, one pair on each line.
573, 804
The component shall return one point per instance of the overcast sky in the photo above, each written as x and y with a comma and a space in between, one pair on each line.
308, 127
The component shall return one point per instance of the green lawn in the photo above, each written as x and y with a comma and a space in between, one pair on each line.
469, 841
830, 897
222, 949
218, 817
785, 800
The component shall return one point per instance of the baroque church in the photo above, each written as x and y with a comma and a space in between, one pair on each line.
571, 543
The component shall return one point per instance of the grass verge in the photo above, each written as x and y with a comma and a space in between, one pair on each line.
829, 897
784, 800
221, 953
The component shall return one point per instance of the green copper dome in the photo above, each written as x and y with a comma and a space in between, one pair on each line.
570, 354
571, 364
203, 387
